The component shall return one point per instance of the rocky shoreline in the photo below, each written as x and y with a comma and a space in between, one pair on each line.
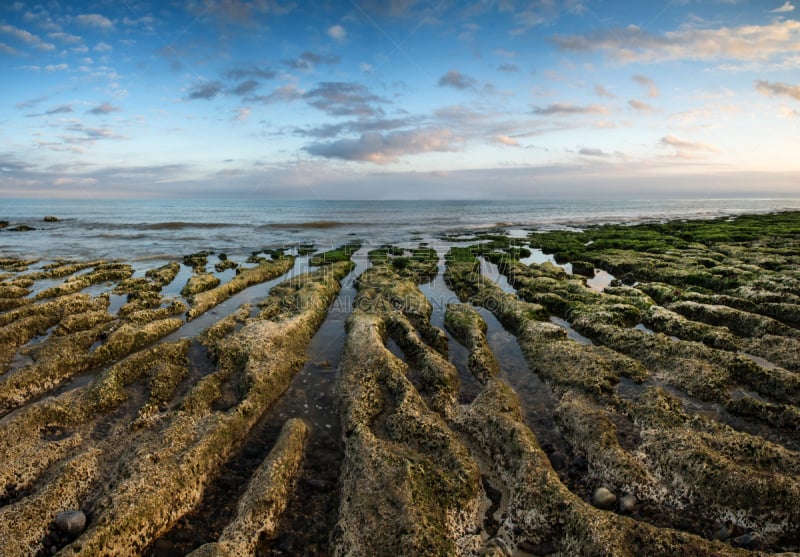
668, 354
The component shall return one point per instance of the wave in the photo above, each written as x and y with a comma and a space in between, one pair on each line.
322, 224
180, 225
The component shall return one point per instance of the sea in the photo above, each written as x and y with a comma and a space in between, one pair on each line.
148, 230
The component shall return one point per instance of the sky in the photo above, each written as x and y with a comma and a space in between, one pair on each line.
405, 99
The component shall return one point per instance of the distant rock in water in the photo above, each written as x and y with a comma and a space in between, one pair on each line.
3, 223
71, 523
22, 228
50, 218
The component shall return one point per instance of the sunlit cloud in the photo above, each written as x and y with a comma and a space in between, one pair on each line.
688, 149
641, 106
786, 8
778, 89
634, 44
567, 108
601, 91
649, 84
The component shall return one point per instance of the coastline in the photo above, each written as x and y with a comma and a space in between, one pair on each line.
663, 419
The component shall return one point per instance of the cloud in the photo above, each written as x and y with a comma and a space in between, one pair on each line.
207, 90
786, 8
644, 81
246, 87
360, 126
287, 93
308, 60
505, 140
65, 38
511, 68
593, 152
339, 98
337, 33
457, 80
25, 37
506, 53
10, 50
63, 109
105, 108
242, 113
94, 20
601, 91
633, 44
250, 71
30, 102
641, 106
103, 47
56, 67
238, 11
567, 108
687, 149
778, 89
383, 149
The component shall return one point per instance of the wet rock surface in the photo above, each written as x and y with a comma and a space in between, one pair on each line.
138, 423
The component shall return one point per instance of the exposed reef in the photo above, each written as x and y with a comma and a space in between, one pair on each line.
642, 400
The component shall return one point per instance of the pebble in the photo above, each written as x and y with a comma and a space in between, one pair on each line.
72, 522
603, 498
627, 503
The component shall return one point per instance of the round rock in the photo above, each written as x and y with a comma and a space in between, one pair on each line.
627, 503
603, 498
71, 523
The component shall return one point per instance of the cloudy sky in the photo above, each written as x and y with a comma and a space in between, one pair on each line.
408, 99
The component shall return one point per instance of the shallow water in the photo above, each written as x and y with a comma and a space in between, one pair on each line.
571, 333
153, 229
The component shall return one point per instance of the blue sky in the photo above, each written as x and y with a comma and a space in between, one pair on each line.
399, 99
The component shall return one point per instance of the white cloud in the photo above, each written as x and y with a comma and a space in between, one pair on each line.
56, 67
786, 8
94, 20
337, 33
103, 47
26, 37
688, 149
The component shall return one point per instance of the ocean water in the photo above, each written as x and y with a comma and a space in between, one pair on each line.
157, 229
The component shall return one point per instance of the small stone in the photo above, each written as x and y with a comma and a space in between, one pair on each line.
71, 523
50, 218
558, 460
751, 540
627, 503
603, 498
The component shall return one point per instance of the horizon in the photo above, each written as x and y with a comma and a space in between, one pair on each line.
406, 101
